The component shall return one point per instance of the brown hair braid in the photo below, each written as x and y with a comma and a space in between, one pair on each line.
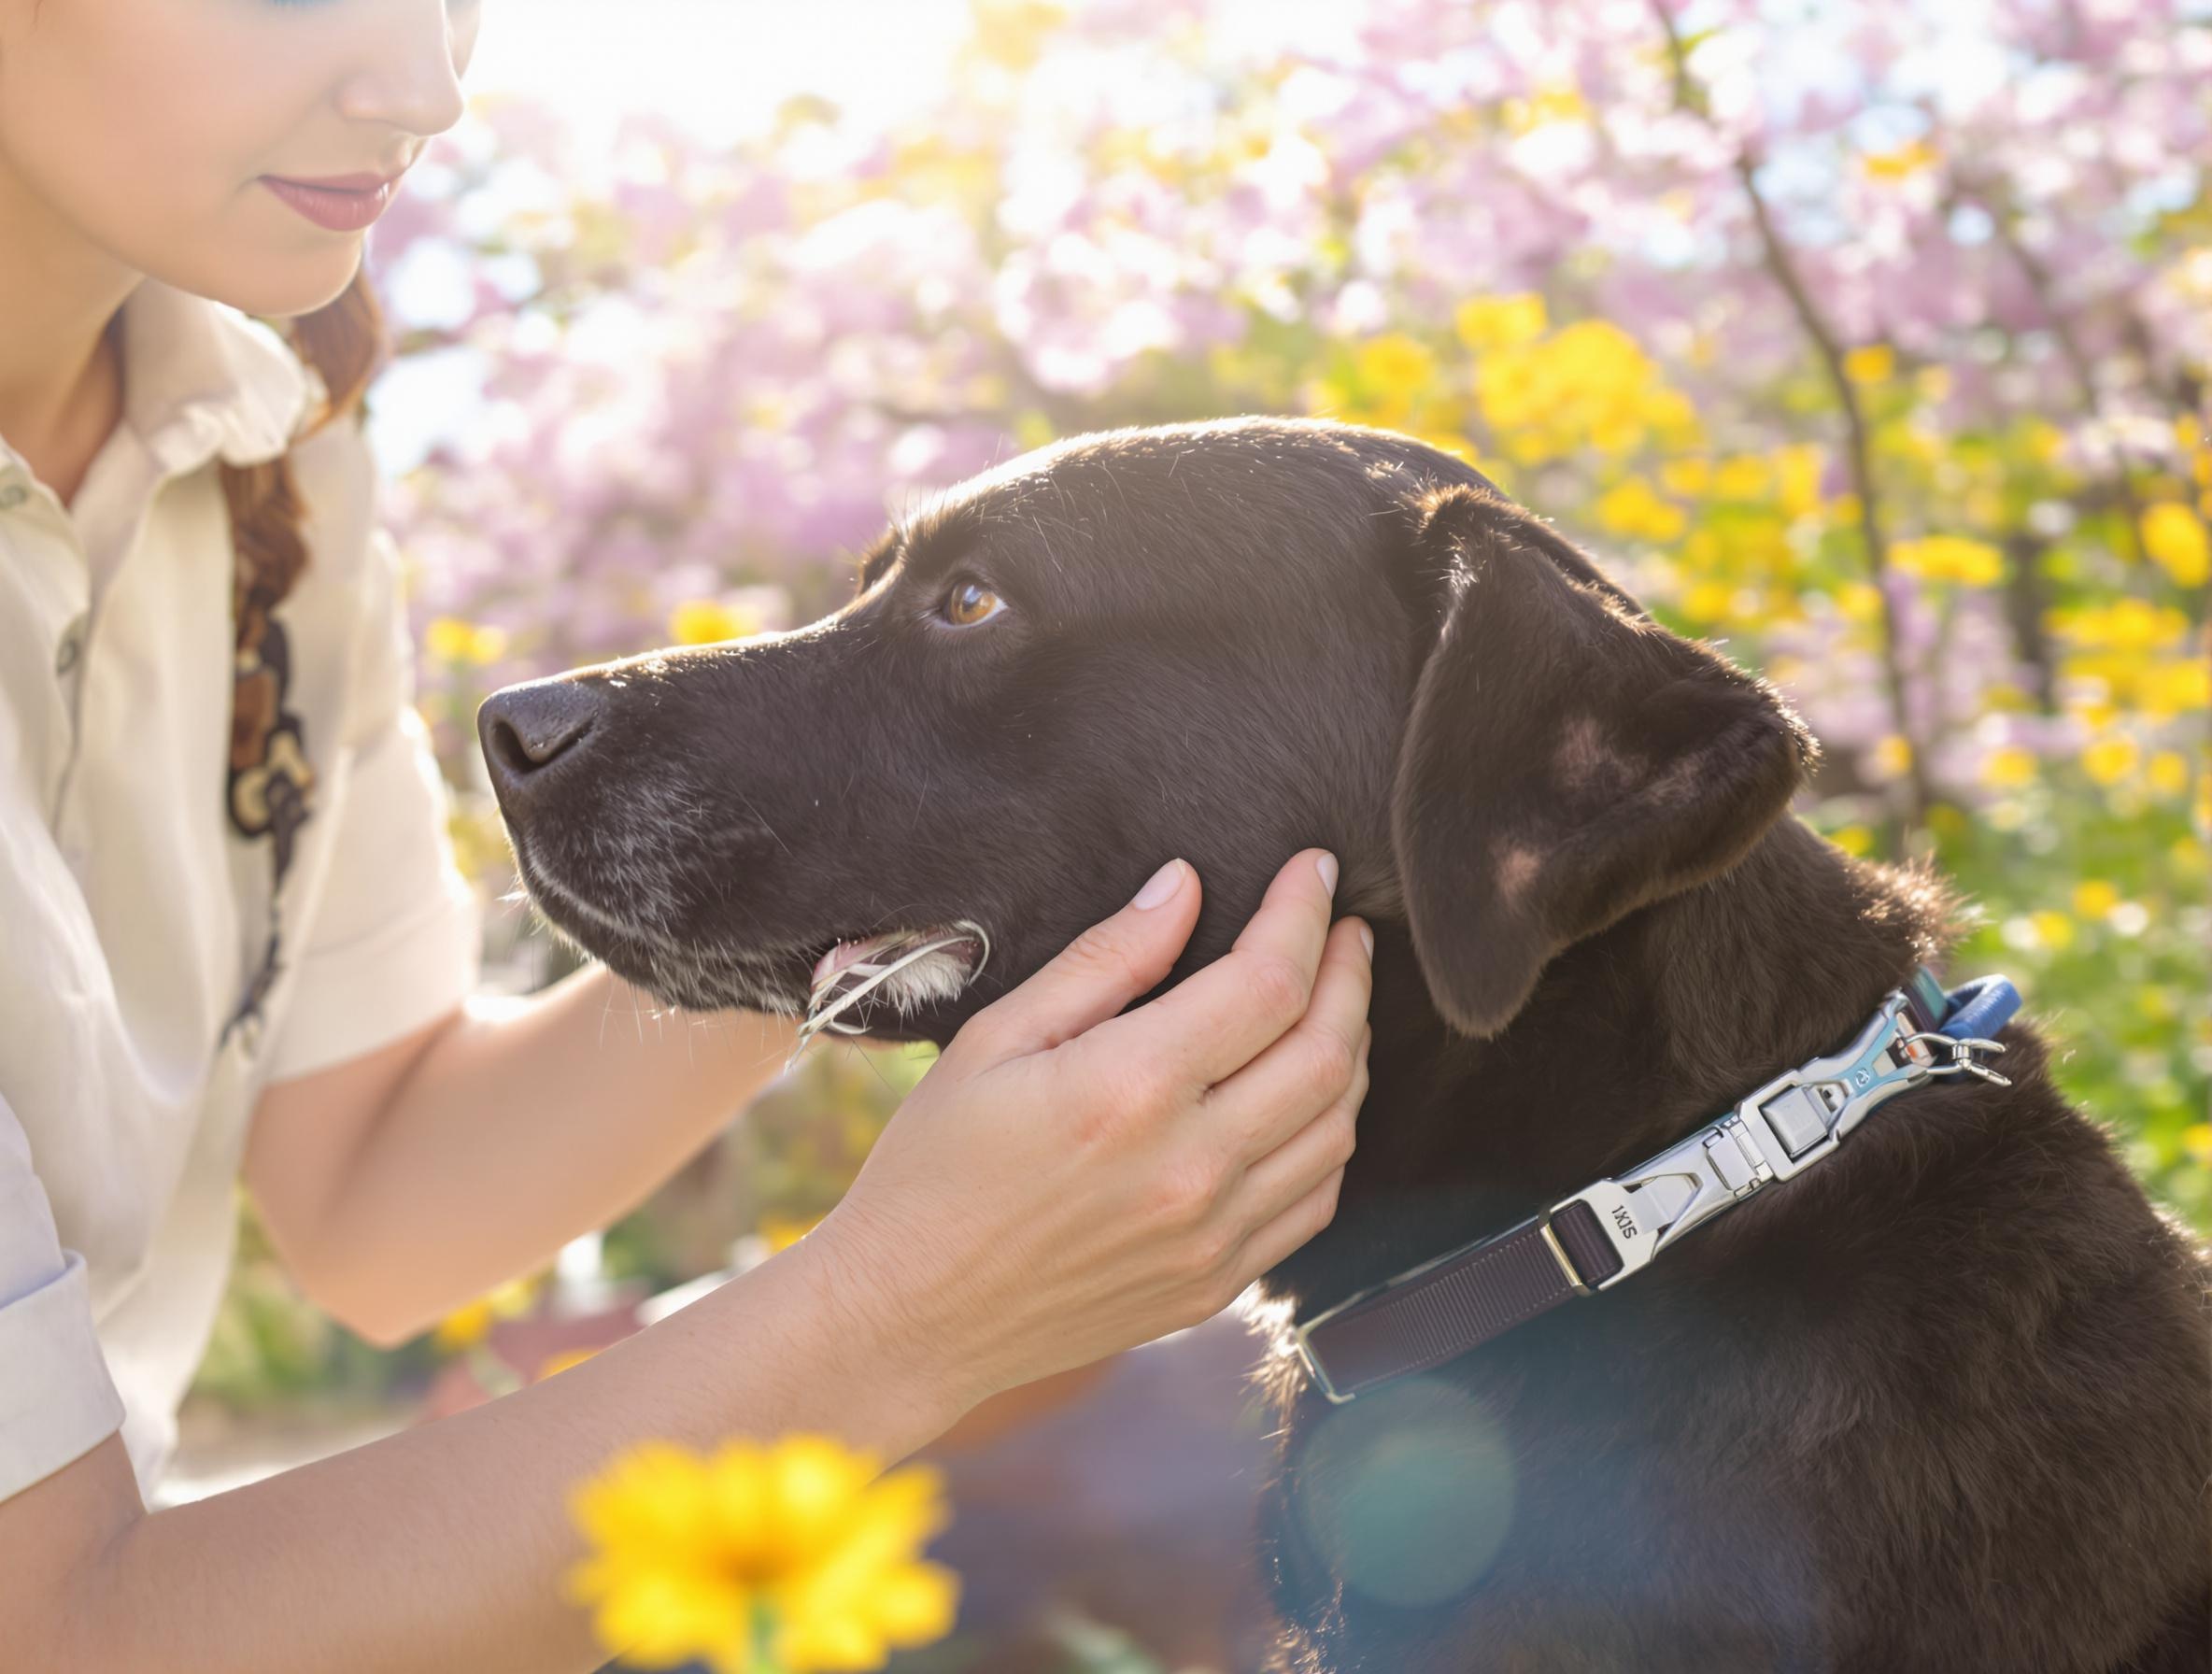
270, 780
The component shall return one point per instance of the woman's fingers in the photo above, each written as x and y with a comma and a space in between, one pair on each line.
1092, 978
1275, 1241
1216, 1020
1319, 1147
1275, 1095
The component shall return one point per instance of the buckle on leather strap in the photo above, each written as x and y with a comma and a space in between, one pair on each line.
1598, 1236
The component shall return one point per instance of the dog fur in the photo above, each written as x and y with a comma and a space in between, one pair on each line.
1943, 1403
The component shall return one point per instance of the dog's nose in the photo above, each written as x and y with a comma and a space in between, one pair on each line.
526, 728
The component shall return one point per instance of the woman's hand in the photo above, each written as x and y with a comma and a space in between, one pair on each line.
1066, 1182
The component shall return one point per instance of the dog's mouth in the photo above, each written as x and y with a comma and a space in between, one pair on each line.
902, 969
862, 981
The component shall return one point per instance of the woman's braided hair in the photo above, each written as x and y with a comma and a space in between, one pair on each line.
271, 783
344, 343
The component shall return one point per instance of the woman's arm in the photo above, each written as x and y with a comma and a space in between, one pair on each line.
1067, 1180
401, 1184
440, 1548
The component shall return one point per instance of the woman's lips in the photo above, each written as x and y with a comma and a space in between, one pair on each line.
343, 204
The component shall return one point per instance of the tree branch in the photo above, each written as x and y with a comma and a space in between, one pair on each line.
1859, 449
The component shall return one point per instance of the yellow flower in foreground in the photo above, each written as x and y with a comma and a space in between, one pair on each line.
2168, 772
2177, 543
1949, 558
761, 1560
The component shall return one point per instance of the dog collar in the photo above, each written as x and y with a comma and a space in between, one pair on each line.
1591, 1240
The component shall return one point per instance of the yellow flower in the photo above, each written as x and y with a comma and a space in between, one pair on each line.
1797, 480
2009, 767
2176, 543
2173, 686
2093, 898
2111, 760
1859, 603
1852, 840
2196, 1139
708, 622
1631, 508
472, 1323
1869, 363
1893, 756
1490, 322
1397, 364
781, 1232
1743, 478
2168, 772
2053, 929
1901, 163
556, 1364
1949, 558
794, 1557
2123, 625
1561, 102
1709, 602
1688, 478
451, 640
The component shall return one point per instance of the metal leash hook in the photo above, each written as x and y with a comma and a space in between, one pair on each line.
1962, 1055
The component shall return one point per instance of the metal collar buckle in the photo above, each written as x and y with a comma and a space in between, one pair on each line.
1469, 1295
1774, 1133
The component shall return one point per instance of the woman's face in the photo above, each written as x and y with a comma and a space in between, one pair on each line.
183, 138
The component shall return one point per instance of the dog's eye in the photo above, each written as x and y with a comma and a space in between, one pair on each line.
970, 603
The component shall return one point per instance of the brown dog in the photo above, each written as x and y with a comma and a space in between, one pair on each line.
1941, 1404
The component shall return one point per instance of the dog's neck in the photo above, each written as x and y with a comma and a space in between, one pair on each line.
1631, 1039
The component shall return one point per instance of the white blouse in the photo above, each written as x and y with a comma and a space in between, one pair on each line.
131, 915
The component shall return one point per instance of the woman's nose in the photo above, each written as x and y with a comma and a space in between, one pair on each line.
408, 72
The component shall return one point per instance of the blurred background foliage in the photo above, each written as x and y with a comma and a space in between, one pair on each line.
1869, 341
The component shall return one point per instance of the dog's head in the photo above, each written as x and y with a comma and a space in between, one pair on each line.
1224, 641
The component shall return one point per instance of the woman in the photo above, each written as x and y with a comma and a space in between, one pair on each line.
252, 959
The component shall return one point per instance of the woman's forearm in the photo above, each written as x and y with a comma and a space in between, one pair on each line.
443, 1548
518, 1126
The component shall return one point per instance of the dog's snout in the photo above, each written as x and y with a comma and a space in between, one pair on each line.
528, 728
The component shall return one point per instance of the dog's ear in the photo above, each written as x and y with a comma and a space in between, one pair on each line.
1565, 759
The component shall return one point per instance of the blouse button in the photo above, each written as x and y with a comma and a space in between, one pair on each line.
71, 649
12, 494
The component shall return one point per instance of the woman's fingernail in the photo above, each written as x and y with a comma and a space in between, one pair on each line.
1161, 885
1327, 863
1367, 939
